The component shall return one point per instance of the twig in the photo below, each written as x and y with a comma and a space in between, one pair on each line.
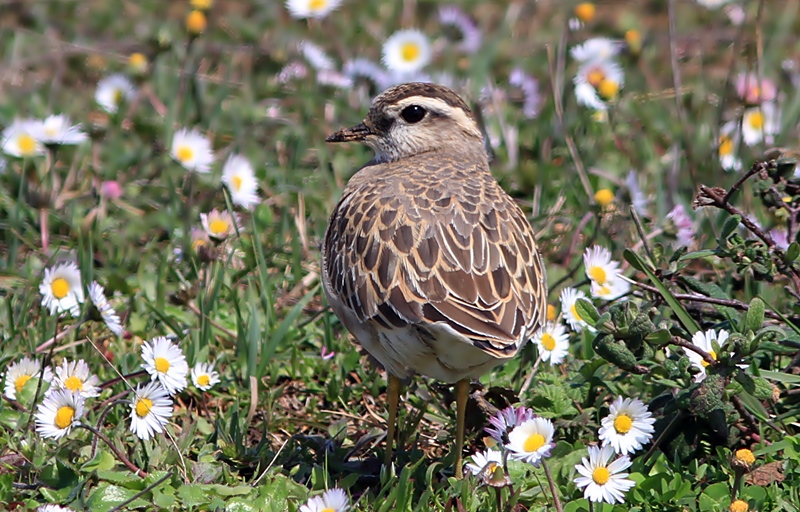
122, 458
667, 429
642, 235
553, 490
675, 340
744, 413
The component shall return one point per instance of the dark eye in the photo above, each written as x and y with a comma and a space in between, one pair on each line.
413, 114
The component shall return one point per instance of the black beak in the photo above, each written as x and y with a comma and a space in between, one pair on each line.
358, 132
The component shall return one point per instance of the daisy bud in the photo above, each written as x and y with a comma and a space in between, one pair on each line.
196, 23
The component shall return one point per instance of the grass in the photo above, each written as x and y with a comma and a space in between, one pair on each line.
286, 421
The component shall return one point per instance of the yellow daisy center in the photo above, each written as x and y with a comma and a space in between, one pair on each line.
236, 181
410, 52
633, 37
26, 143
755, 91
548, 342
574, 310
204, 380
725, 146
50, 131
20, 382
117, 96
74, 384
598, 274
184, 154
608, 89
327, 509
64, 416
196, 22
59, 287
745, 455
218, 226
533, 442
713, 356
601, 476
137, 60
198, 243
203, 5
739, 506
143, 407
551, 313
585, 11
162, 365
595, 77
623, 424
317, 5
756, 120
604, 197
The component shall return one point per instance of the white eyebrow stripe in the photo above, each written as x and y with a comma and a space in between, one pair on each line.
442, 107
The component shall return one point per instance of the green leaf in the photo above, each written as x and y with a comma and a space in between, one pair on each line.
754, 317
793, 251
785, 378
658, 338
587, 312
705, 253
729, 227
103, 460
688, 322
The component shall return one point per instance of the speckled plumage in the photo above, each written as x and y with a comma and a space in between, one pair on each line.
426, 260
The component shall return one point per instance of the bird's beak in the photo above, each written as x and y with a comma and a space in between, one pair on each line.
358, 132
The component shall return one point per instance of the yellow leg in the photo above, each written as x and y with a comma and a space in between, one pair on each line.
462, 393
393, 394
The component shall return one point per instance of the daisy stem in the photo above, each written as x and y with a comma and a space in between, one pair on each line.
41, 377
553, 490
122, 458
58, 336
100, 419
529, 380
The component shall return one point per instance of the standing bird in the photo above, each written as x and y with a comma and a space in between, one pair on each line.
426, 260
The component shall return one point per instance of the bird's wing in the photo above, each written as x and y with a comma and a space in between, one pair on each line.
468, 260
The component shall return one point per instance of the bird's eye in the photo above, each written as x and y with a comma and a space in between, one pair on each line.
413, 114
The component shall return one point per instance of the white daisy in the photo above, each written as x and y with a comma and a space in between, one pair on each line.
204, 376
19, 373
316, 56
638, 198
599, 266
705, 341
53, 508
219, 225
712, 4
151, 408
596, 81
61, 289
56, 130
507, 419
332, 500
612, 289
628, 426
109, 315
334, 78
728, 147
480, 460
683, 226
760, 124
365, 68
22, 138
596, 49
407, 52
603, 481
471, 36
239, 177
532, 99
552, 342
192, 150
301, 9
587, 96
75, 377
532, 440
165, 362
112, 91
58, 412
568, 298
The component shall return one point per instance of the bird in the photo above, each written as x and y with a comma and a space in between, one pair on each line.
426, 260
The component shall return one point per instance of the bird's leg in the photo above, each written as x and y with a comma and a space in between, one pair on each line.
462, 393
393, 394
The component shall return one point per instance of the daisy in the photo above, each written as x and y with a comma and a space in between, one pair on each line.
112, 91
292, 71
532, 440
22, 138
480, 460
628, 426
598, 80
603, 481
705, 341
53, 508
58, 413
61, 289
552, 341
569, 296
199, 239
600, 268
781, 238
316, 56
365, 68
471, 36
728, 147
638, 198
109, 315
239, 177
204, 376
300, 9
151, 409
75, 377
57, 131
530, 92
19, 373
334, 78
219, 225
596, 49
753, 91
712, 4
683, 225
192, 150
332, 500
407, 52
165, 362
760, 124
613, 288
507, 419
